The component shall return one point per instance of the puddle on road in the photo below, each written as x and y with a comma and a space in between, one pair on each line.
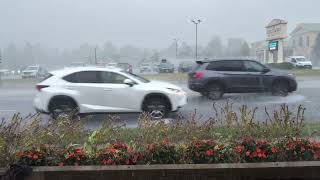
251, 98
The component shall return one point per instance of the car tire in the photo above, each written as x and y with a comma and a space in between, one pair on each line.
214, 91
64, 109
280, 88
156, 107
204, 93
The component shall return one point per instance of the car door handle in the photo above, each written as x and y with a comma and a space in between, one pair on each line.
107, 89
69, 87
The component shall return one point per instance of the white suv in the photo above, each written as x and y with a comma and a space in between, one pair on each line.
105, 90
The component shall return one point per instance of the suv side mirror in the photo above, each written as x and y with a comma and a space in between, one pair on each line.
129, 82
265, 70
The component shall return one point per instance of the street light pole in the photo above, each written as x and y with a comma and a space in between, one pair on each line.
176, 44
95, 56
196, 22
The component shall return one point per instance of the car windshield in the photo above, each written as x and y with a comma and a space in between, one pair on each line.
142, 79
300, 59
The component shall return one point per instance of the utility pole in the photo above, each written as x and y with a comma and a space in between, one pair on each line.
0, 61
176, 44
95, 56
196, 22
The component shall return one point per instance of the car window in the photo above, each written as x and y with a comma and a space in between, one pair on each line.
293, 60
137, 77
252, 66
225, 66
83, 77
112, 78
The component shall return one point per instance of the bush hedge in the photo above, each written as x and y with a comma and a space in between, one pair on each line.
231, 135
195, 152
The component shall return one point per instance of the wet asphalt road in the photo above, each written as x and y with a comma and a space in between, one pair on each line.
18, 98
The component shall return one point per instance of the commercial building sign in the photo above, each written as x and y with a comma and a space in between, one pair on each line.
273, 45
277, 29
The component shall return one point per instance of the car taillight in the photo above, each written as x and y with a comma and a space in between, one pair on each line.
39, 87
197, 75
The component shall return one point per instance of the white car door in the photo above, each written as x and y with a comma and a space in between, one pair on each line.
89, 93
119, 97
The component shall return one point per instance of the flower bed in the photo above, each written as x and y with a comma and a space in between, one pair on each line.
248, 150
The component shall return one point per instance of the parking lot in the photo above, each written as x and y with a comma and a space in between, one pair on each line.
17, 97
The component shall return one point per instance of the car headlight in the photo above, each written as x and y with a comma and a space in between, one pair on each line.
292, 76
177, 91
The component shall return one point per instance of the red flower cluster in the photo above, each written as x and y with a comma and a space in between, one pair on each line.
36, 156
73, 157
117, 154
207, 151
196, 152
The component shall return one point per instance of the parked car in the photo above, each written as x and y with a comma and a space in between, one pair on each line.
112, 64
214, 78
146, 67
4, 72
125, 66
185, 66
300, 62
35, 71
105, 90
166, 67
78, 64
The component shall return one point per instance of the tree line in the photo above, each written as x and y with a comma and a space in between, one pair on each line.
17, 57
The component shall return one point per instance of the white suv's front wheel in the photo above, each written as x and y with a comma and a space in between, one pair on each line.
157, 107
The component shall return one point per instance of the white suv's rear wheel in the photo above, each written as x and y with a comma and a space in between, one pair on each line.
157, 107
63, 109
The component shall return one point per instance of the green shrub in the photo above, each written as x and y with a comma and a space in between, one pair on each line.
64, 137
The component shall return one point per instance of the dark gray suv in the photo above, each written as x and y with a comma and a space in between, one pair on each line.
214, 78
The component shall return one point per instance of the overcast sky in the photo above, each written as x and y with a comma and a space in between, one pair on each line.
145, 23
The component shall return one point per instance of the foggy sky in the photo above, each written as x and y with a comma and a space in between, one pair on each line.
145, 23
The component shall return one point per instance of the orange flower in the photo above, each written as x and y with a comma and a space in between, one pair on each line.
129, 150
127, 161
78, 158
35, 156
238, 149
165, 142
30, 155
111, 150
77, 151
248, 153
209, 152
264, 155
258, 150
316, 155
273, 149
254, 154
21, 153
135, 158
109, 161
150, 147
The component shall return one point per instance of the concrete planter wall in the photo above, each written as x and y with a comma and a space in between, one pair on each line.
252, 171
